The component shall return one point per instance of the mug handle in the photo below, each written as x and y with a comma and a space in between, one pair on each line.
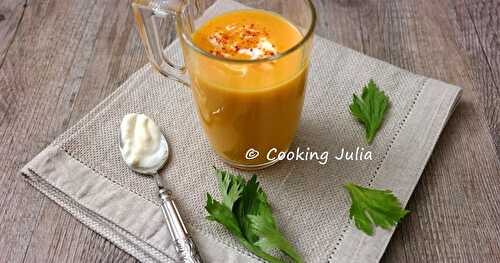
147, 14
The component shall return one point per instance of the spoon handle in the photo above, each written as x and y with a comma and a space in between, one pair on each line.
184, 244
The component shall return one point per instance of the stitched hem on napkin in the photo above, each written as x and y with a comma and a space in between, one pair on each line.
355, 246
100, 207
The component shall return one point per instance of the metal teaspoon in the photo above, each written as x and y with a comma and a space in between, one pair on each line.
184, 244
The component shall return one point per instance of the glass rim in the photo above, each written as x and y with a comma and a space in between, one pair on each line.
304, 39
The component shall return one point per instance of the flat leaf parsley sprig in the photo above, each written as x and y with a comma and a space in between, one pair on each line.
245, 212
370, 109
373, 207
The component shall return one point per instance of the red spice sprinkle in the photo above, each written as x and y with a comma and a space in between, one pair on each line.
228, 41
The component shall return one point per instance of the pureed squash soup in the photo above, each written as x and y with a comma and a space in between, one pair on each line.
248, 105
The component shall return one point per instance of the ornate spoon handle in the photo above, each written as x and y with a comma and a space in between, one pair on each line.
187, 251
184, 245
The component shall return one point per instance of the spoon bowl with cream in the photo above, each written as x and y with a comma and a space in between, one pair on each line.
145, 150
143, 146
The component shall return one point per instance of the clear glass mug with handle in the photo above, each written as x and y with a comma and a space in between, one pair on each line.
249, 108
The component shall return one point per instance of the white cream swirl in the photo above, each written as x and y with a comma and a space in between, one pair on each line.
142, 144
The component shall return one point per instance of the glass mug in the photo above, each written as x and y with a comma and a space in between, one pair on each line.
249, 109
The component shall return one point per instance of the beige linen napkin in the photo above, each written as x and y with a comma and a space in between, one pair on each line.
83, 172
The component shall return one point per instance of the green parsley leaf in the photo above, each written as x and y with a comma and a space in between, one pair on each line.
220, 213
250, 204
373, 207
230, 187
269, 235
370, 109
246, 213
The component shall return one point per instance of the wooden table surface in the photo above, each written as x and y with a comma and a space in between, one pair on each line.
59, 58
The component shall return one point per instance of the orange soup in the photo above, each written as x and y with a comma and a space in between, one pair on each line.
250, 103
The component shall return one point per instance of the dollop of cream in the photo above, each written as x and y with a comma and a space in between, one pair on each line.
263, 49
143, 145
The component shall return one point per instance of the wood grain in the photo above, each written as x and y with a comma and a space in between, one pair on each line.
455, 213
11, 14
50, 78
478, 26
59, 58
